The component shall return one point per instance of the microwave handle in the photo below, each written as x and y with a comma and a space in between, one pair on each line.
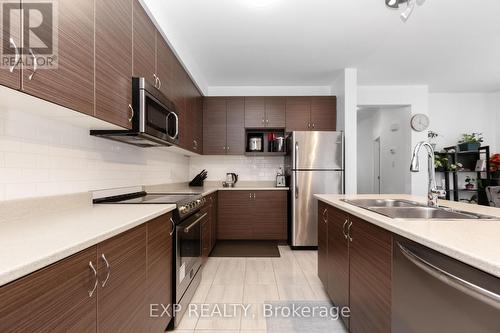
174, 137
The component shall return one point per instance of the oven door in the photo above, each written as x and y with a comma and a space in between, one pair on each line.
188, 251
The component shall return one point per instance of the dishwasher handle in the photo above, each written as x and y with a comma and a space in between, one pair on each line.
469, 288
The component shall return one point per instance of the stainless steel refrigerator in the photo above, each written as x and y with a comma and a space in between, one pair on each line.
314, 164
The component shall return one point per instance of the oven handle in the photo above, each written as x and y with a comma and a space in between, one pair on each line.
173, 137
186, 229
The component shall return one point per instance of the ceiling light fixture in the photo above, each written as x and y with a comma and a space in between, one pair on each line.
410, 6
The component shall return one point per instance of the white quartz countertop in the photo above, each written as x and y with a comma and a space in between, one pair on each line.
474, 242
33, 242
211, 187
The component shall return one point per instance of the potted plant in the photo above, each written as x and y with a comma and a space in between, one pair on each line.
441, 163
469, 183
431, 135
470, 142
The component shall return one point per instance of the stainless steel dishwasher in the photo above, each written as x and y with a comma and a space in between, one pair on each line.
432, 292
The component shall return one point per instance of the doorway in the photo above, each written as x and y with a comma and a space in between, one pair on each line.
376, 166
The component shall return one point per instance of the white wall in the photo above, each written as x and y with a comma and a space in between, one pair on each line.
417, 97
346, 91
391, 126
41, 156
247, 168
453, 114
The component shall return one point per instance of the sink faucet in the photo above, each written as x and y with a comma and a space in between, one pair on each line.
433, 192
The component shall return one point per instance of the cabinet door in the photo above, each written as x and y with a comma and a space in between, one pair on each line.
338, 259
71, 84
113, 62
121, 303
275, 112
53, 299
269, 215
324, 113
298, 111
235, 215
8, 78
159, 267
213, 213
235, 140
255, 112
144, 45
370, 277
198, 124
323, 243
214, 126
165, 60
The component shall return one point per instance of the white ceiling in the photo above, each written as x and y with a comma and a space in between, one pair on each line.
451, 45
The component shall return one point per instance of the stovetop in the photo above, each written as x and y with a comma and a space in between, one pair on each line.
187, 203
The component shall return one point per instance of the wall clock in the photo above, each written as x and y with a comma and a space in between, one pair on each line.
420, 122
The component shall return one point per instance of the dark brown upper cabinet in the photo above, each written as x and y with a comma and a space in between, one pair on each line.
298, 113
324, 113
235, 127
224, 126
255, 112
164, 64
214, 126
317, 113
113, 62
12, 77
275, 112
144, 37
71, 84
262, 112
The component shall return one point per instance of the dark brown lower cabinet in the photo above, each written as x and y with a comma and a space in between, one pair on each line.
53, 299
252, 215
338, 259
120, 302
106, 288
359, 269
323, 242
159, 270
370, 277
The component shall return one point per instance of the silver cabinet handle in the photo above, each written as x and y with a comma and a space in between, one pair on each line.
108, 268
173, 227
263, 121
155, 79
308, 125
159, 82
343, 228
324, 215
480, 293
227, 148
195, 144
254, 195
349, 231
250, 195
35, 65
91, 292
313, 125
131, 113
17, 57
267, 121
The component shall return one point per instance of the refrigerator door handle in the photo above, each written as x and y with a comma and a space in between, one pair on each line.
296, 168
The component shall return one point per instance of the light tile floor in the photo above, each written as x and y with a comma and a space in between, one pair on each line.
251, 282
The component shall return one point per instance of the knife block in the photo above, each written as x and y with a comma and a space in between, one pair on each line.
196, 182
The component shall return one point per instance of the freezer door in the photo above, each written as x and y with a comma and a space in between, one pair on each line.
317, 150
305, 207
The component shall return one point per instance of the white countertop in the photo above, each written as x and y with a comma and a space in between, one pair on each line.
474, 242
211, 187
33, 242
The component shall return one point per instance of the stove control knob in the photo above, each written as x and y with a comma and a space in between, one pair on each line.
182, 209
198, 202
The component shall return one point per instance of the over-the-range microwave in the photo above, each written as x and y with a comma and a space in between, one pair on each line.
155, 122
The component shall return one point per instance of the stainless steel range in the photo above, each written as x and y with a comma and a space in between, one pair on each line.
187, 238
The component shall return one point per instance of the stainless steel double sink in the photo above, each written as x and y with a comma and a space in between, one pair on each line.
410, 210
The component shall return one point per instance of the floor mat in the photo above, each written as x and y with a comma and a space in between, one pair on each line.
245, 248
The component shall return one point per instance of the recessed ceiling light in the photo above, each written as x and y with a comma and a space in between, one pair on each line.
260, 3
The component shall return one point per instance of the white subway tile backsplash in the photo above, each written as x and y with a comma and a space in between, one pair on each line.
40, 157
